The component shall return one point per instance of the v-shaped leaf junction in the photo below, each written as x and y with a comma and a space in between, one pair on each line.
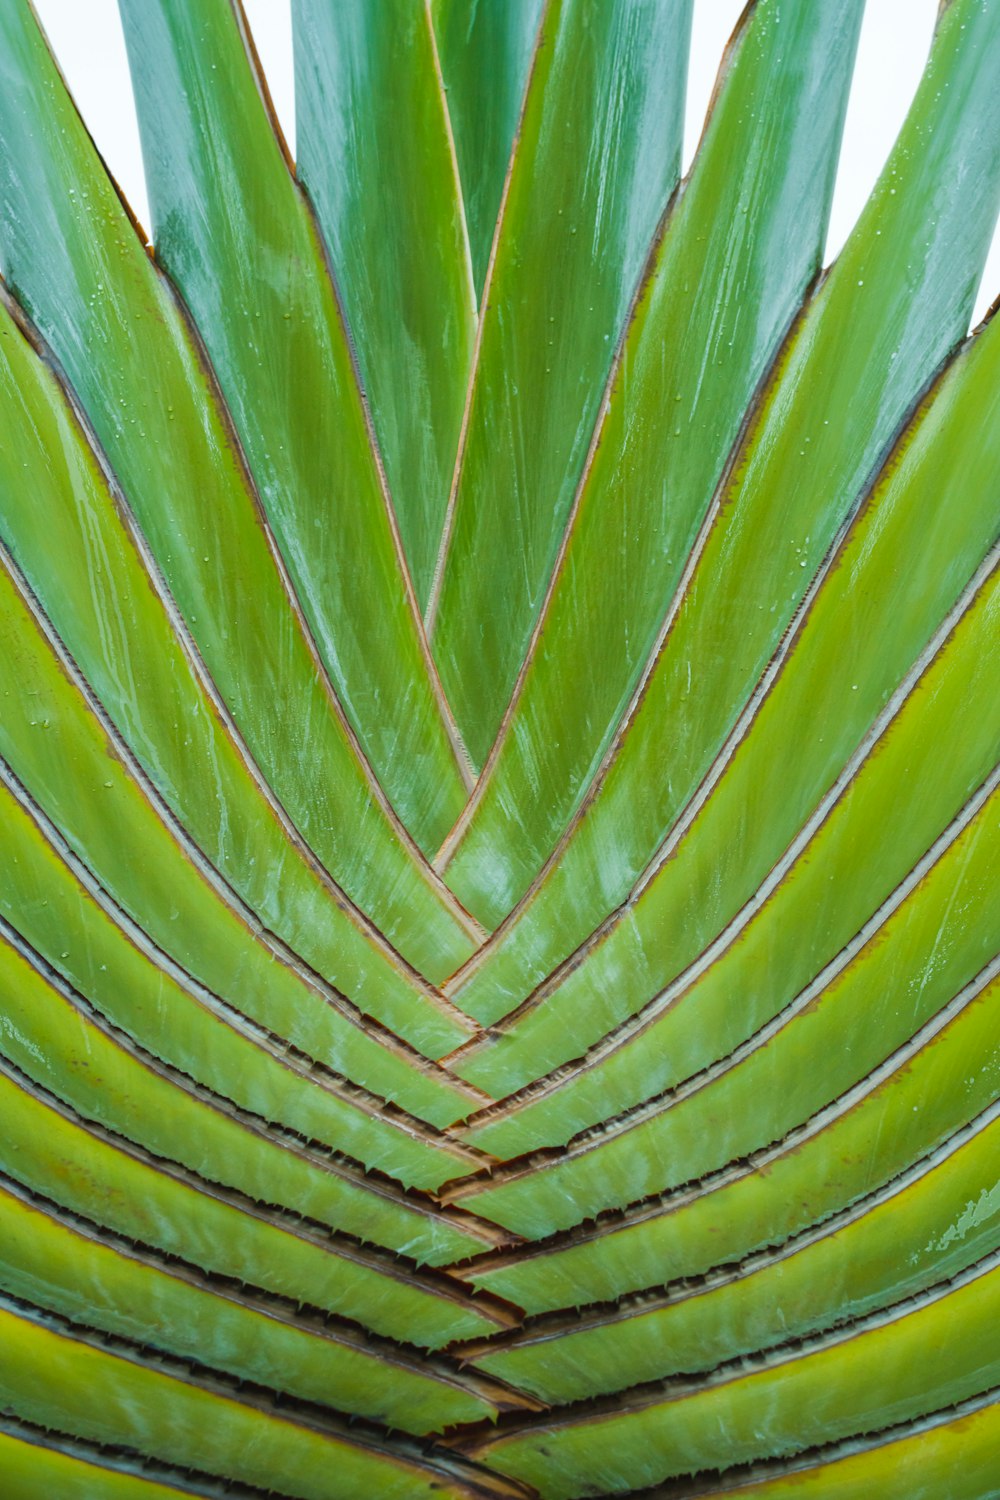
499, 979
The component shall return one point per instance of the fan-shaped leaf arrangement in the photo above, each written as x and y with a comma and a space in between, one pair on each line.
499, 928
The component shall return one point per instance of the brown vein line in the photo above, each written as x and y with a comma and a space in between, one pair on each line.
283, 1217
338, 1243
285, 1053
660, 1393
207, 369
895, 704
461, 755
620, 736
770, 377
453, 733
542, 1328
447, 897
444, 855
394, 1266
453, 154
434, 597
634, 1026
436, 1281
791, 636
675, 1199
117, 1459
159, 587
328, 1158
354, 1431
194, 856
318, 1322
746, 1476
144, 238
620, 1124
698, 1487
259, 77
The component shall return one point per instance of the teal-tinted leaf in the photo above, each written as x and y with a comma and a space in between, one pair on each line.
931, 1224
86, 563
933, 506
905, 965
174, 1110
376, 157
737, 255
55, 1040
69, 250
952, 1451
654, 1072
485, 52
895, 303
144, 1196
59, 749
238, 239
55, 903
596, 158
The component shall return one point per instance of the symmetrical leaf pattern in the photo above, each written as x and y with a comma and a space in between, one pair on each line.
499, 937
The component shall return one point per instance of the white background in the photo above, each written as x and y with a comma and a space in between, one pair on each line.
87, 39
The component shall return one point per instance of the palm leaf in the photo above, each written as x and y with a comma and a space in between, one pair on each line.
499, 766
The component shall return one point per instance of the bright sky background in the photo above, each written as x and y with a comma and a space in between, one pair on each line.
87, 38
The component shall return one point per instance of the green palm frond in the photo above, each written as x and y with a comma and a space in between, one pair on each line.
499, 942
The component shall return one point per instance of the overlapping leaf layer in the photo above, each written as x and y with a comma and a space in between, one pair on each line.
499, 978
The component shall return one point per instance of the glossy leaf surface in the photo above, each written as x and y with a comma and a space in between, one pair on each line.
485, 52
867, 330
729, 1109
82, 273
58, 1378
908, 1108
745, 233
105, 1286
66, 532
777, 774
605, 91
813, 1395
389, 203
499, 767
245, 254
